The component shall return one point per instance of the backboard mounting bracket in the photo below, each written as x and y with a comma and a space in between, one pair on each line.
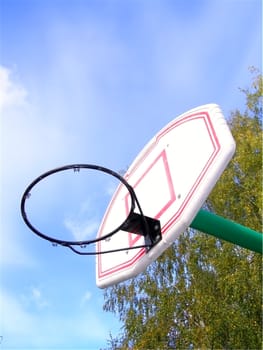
145, 226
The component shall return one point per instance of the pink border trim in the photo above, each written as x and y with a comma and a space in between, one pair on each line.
216, 145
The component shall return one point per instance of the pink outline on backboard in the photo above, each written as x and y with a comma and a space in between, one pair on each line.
220, 152
161, 158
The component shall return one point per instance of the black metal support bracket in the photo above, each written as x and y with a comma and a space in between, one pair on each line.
145, 226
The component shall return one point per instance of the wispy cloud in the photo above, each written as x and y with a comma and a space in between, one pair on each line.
82, 230
29, 145
21, 327
14, 318
38, 299
86, 298
33, 299
84, 221
11, 92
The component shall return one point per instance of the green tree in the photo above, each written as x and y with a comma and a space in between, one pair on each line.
204, 292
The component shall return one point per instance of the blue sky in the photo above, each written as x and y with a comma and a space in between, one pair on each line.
92, 82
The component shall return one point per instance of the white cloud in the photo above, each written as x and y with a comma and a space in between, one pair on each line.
82, 230
11, 92
34, 299
21, 327
38, 299
29, 145
86, 298
14, 318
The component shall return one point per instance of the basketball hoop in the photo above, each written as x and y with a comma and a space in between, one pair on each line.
135, 223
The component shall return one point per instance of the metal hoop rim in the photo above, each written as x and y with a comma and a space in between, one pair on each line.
75, 167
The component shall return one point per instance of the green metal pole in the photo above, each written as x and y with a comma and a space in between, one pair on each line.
228, 230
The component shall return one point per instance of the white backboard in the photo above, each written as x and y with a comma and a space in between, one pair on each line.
172, 177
